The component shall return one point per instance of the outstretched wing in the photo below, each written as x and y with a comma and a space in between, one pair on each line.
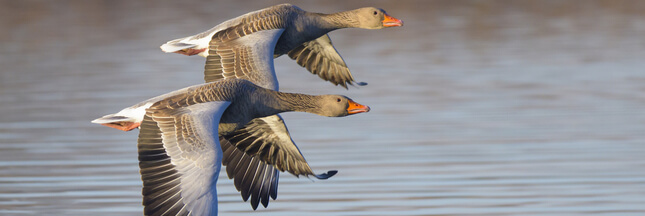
269, 139
249, 58
252, 177
254, 154
320, 57
180, 159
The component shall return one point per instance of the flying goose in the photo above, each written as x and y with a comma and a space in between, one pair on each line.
179, 149
304, 37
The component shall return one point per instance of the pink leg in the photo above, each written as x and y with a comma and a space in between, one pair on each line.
191, 51
124, 126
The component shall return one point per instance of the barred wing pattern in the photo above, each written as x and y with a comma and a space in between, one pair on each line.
180, 159
254, 154
320, 57
248, 58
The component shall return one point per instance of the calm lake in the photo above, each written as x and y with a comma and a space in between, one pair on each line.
478, 107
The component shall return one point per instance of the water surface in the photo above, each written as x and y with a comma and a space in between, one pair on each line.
478, 108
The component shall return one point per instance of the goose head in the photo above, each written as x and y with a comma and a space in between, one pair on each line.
375, 18
339, 106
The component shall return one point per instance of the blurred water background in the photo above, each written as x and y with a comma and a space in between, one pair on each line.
478, 107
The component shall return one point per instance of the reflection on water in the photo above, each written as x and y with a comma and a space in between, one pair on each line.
478, 108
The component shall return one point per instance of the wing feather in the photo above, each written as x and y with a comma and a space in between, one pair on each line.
179, 158
249, 57
320, 57
253, 155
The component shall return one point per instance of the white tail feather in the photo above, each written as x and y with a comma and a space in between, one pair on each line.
112, 118
131, 114
174, 46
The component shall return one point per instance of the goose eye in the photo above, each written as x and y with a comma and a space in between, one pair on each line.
375, 12
338, 100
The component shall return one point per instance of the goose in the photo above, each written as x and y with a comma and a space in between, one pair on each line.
179, 150
304, 38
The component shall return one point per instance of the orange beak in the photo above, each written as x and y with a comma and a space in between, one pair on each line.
389, 21
354, 108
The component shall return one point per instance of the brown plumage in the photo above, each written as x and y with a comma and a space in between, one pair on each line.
304, 38
179, 150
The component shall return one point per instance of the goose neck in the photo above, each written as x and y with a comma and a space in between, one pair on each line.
339, 20
286, 102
